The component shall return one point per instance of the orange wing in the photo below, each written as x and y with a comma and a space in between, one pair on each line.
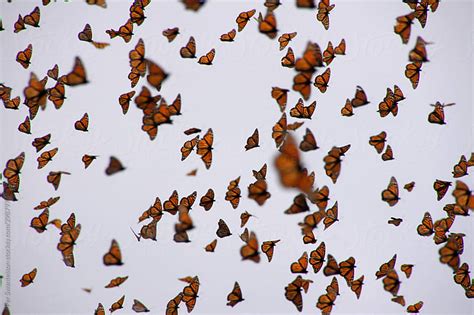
114, 256
24, 56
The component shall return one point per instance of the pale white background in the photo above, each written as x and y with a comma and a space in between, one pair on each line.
233, 97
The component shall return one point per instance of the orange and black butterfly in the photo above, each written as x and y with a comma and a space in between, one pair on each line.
46, 157
207, 200
391, 282
301, 265
321, 81
19, 24
326, 302
302, 83
40, 222
189, 51
324, 8
341, 48
83, 123
125, 31
191, 131
285, 39
88, 159
403, 26
356, 286
301, 111
233, 193
137, 58
69, 234
114, 166
293, 294
77, 76
249, 251
409, 187
421, 12
204, 148
207, 58
23, 57
386, 267
309, 142
173, 304
332, 267
223, 230
235, 296
171, 205
53, 73
86, 36
290, 169
252, 141
407, 269
171, 33
188, 147
272, 4
8, 193
12, 171
311, 59
190, 294
56, 94
193, 5
116, 282
268, 248
139, 307
412, 72
426, 227
320, 197
258, 192
449, 253
461, 276
333, 161
28, 278
378, 141
279, 131
262, 173
117, 304
114, 256
243, 18
13, 103
268, 25
460, 169
40, 143
347, 110
437, 115
137, 14
389, 104
331, 216
100, 3
36, 94
390, 195
463, 195
316, 257
124, 101
395, 221
280, 96
5, 92
388, 154
33, 18
399, 299
415, 308
360, 98
47, 204
289, 59
328, 54
211, 246
147, 102
299, 205
229, 36
419, 54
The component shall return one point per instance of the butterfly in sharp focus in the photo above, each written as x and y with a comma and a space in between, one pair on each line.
235, 296
288, 60
125, 31
28, 278
243, 18
437, 115
204, 148
229, 36
117, 304
390, 195
207, 58
285, 39
324, 9
412, 72
321, 81
24, 56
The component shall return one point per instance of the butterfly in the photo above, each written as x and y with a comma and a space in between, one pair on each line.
262, 173
156, 75
192, 173
83, 123
288, 60
171, 33
211, 246
409, 186
395, 221
347, 110
189, 51
437, 115
331, 216
316, 257
403, 26
463, 195
399, 299
388, 154
390, 195
147, 102
23, 57
12, 171
407, 269
309, 142
426, 227
249, 251
279, 130
412, 72
125, 31
28, 278
333, 161
324, 8
171, 205
69, 234
302, 84
86, 36
139, 307
173, 305
207, 200
320, 197
56, 94
391, 282
117, 305
54, 178
285, 39
378, 141
268, 248
326, 302
461, 276
124, 101
328, 54
386, 267
188, 147
137, 59
293, 294
233, 193
137, 14
301, 265
441, 187
193, 5
12, 103
272, 4
280, 96
252, 141
35, 94
460, 169
332, 267
301, 111
46, 157
207, 58
356, 286
312, 58
19, 24
47, 204
191, 131
33, 18
229, 36
341, 48
223, 229
258, 191
243, 18
114, 166
235, 296
204, 148
360, 98
114, 256
321, 81
415, 308
307, 4
116, 282
268, 25
190, 294
418, 53
40, 222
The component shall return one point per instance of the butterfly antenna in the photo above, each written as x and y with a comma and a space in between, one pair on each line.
137, 236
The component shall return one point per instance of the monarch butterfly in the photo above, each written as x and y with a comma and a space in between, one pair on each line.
148, 231
461, 276
280, 96
324, 8
331, 216
146, 102
346, 269
463, 195
306, 4
207, 58
356, 286
249, 251
311, 221
189, 51
272, 4
302, 83
192, 173
312, 58
13, 103
40, 222
301, 265
116, 282
316, 257
134, 77
137, 14
391, 283
388, 154
426, 227
100, 3
188, 201
57, 95
399, 299
171, 205
171, 33
139, 307
407, 269
5, 92
124, 101
268, 247
418, 53
83, 123
193, 5
285, 39
403, 26
386, 267
289, 59
332, 267
125, 31
309, 142
415, 308
460, 169
233, 193
245, 236
12, 171
321, 81
262, 173
77, 76
243, 18
23, 57
395, 221
235, 296
207, 200
86, 36
156, 75
360, 98
326, 302
441, 227
46, 204
137, 58
390, 195
378, 141
54, 178
33, 18
328, 54
441, 187
341, 48
421, 12
117, 305
191, 131
8, 192
301, 111
211, 246
347, 109
223, 229
320, 197
333, 161
454, 209
46, 157
35, 94
449, 254
69, 234
252, 141
28, 278
412, 72
409, 186
114, 256
293, 294
268, 25
19, 24
114, 166
173, 305
204, 148
258, 191
190, 294
155, 211
188, 147
437, 115
229, 36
